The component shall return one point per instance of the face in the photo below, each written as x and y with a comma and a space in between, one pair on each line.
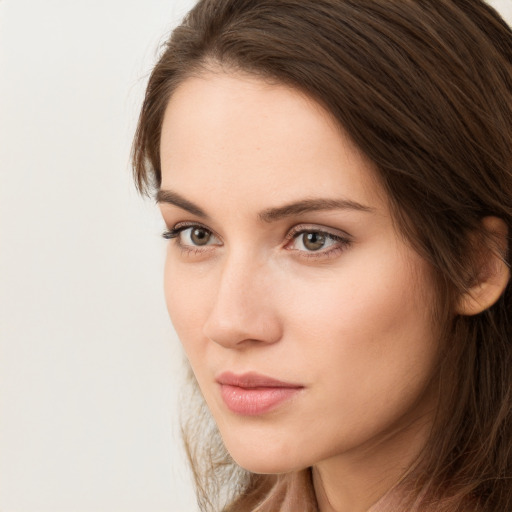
305, 316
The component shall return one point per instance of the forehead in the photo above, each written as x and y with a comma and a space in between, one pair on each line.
244, 138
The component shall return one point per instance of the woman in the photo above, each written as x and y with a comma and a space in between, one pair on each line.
335, 176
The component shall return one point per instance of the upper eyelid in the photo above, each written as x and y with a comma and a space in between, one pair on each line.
315, 228
190, 224
181, 226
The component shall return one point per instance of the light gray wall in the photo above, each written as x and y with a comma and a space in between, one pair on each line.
89, 365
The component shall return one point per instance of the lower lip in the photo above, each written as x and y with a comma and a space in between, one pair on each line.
255, 401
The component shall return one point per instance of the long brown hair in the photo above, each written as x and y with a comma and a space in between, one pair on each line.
424, 89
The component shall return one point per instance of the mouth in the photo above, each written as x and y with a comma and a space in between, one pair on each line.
252, 394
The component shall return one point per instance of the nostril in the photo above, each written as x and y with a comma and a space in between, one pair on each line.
235, 330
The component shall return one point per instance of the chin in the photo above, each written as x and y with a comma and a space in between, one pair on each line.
263, 459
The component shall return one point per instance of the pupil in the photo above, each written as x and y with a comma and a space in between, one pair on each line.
200, 236
314, 241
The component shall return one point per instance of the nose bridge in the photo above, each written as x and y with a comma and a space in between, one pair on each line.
242, 310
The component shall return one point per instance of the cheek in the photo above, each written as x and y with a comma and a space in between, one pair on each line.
363, 295
367, 344
369, 327
186, 297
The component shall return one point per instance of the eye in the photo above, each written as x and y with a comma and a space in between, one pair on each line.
192, 236
195, 236
312, 241
316, 242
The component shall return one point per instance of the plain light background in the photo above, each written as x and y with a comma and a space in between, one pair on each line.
90, 368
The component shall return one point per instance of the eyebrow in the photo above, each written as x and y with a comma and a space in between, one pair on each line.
270, 214
311, 205
170, 197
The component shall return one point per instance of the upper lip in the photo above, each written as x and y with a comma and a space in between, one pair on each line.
253, 380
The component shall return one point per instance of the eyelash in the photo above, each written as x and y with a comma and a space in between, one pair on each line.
341, 241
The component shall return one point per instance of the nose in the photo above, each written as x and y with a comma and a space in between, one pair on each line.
243, 312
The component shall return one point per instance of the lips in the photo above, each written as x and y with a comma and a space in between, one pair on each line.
252, 394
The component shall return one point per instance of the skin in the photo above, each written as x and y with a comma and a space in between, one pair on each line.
350, 322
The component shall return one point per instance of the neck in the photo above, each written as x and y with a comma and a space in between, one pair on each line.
368, 480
